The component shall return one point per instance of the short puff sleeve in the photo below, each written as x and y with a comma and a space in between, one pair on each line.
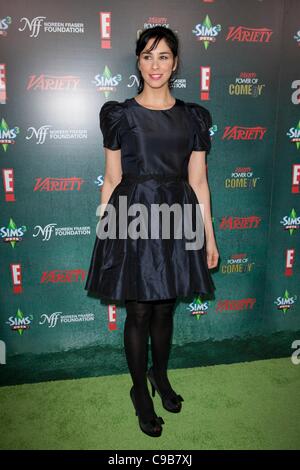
111, 115
202, 121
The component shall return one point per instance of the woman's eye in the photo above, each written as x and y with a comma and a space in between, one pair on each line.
162, 57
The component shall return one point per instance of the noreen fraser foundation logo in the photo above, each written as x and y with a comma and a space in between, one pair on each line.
38, 24
57, 317
40, 134
48, 230
285, 302
20, 323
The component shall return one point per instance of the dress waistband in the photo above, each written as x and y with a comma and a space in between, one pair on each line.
148, 176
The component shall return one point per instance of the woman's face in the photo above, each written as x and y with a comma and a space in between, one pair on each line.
157, 66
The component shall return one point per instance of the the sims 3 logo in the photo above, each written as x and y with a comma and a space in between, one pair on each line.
198, 307
2, 353
4, 24
206, 32
107, 81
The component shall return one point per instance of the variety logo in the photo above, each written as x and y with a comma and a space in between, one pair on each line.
198, 308
57, 317
240, 223
291, 222
230, 305
53, 82
50, 229
63, 276
294, 135
58, 184
4, 24
206, 32
242, 178
38, 23
246, 84
42, 132
238, 263
107, 82
12, 234
2, 84
286, 302
7, 135
244, 133
244, 34
20, 323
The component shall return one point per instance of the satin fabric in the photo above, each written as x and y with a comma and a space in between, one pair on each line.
155, 148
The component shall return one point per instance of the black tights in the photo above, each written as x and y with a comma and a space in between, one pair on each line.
144, 319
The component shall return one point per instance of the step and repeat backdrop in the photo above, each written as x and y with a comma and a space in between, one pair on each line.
59, 62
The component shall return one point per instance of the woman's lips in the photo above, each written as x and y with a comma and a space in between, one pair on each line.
155, 76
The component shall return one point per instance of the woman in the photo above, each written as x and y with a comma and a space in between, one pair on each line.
163, 142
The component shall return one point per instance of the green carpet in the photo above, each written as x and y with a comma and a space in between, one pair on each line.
249, 405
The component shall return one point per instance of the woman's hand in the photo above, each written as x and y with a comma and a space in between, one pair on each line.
212, 253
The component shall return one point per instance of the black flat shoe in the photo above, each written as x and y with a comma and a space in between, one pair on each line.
153, 427
170, 401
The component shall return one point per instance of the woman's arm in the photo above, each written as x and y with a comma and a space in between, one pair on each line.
112, 177
198, 181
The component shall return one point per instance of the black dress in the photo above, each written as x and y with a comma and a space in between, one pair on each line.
155, 149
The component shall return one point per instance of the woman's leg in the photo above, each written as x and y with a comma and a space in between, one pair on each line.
161, 328
136, 336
